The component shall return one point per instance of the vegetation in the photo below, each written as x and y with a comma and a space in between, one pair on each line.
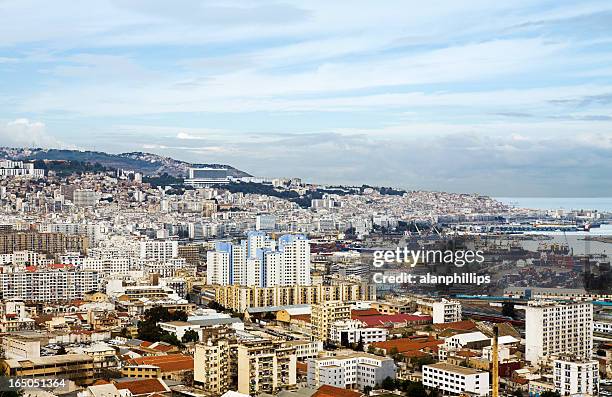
149, 330
190, 336
548, 393
70, 167
163, 180
412, 389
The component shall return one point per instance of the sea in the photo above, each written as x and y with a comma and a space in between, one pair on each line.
602, 204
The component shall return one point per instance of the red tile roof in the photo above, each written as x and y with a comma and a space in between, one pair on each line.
465, 325
142, 386
408, 344
332, 391
169, 363
364, 312
383, 320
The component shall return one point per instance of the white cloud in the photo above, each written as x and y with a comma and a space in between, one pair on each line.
23, 132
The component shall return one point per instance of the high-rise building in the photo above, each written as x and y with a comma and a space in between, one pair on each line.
265, 366
9, 168
324, 314
159, 250
265, 222
215, 367
257, 262
576, 376
558, 327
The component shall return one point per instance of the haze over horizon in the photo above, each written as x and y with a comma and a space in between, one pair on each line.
501, 99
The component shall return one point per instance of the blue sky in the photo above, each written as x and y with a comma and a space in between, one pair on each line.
503, 98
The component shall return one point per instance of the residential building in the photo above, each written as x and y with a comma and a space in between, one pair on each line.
574, 376
324, 314
346, 332
558, 327
265, 366
76, 367
455, 379
352, 371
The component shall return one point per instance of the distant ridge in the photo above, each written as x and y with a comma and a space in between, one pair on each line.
146, 163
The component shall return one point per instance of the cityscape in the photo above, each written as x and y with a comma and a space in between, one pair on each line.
305, 198
114, 283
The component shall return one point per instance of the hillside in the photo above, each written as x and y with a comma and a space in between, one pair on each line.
146, 163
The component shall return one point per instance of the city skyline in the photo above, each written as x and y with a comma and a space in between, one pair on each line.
502, 99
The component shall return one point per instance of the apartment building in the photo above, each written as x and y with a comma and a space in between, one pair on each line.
47, 243
92, 231
76, 367
215, 366
455, 379
576, 377
441, 310
352, 371
18, 347
240, 298
257, 261
265, 366
159, 250
325, 314
85, 197
558, 328
9, 168
48, 285
345, 332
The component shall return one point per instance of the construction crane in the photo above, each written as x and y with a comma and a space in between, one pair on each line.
495, 359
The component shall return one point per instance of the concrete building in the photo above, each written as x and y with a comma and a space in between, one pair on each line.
240, 298
265, 222
257, 262
446, 311
345, 332
48, 285
159, 250
576, 377
215, 366
206, 177
10, 169
353, 371
325, 314
85, 197
556, 328
455, 379
265, 366
18, 347
76, 367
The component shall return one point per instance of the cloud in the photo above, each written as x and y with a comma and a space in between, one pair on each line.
23, 132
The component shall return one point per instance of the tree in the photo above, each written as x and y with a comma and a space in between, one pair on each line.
125, 333
367, 390
171, 339
388, 383
517, 393
424, 361
61, 351
508, 309
549, 393
110, 373
416, 389
360, 347
190, 336
371, 349
393, 351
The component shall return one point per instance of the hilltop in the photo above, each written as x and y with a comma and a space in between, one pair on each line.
146, 163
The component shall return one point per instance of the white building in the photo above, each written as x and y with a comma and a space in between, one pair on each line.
206, 177
48, 285
355, 370
556, 328
446, 311
9, 168
257, 262
85, 198
265, 222
345, 332
576, 377
159, 250
455, 379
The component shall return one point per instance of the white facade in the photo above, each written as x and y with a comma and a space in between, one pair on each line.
48, 286
85, 198
158, 250
558, 328
345, 332
265, 222
446, 311
350, 371
576, 377
9, 168
257, 262
455, 379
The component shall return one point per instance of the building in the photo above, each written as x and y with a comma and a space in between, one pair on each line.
9, 168
159, 250
85, 197
257, 262
206, 177
446, 311
265, 222
76, 367
352, 371
47, 243
265, 366
325, 314
57, 285
346, 332
170, 366
18, 347
576, 377
556, 328
215, 366
240, 298
455, 379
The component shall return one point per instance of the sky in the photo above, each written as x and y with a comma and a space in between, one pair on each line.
507, 98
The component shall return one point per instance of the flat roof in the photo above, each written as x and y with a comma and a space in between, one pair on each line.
49, 360
454, 368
